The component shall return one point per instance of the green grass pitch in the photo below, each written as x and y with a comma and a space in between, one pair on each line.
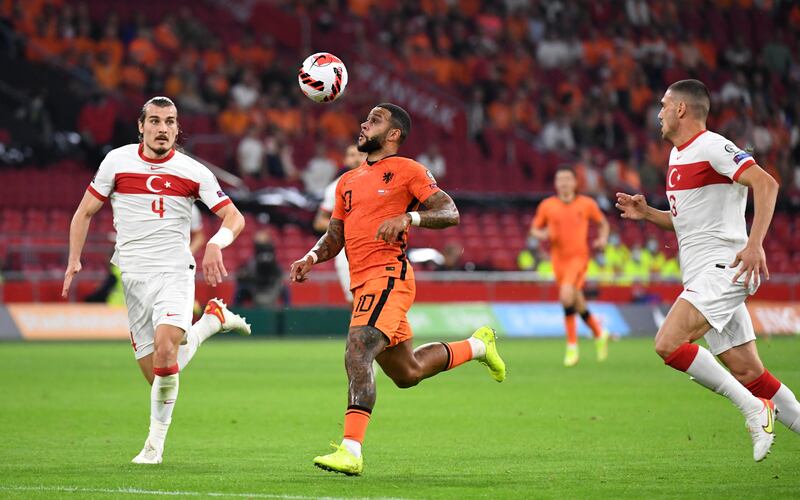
253, 413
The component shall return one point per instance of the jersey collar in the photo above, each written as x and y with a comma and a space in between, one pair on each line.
371, 163
690, 141
155, 160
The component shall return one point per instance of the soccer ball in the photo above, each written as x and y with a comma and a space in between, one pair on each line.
322, 77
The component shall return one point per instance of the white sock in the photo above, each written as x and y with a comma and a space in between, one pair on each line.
707, 372
352, 446
478, 347
206, 326
788, 408
162, 401
186, 352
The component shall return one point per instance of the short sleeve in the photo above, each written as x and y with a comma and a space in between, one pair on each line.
422, 183
211, 193
102, 185
540, 218
329, 198
594, 212
338, 211
727, 159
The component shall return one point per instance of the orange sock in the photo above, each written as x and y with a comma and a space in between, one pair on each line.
572, 329
592, 323
458, 353
356, 420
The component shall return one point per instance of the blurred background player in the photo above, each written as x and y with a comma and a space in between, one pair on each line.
352, 159
152, 188
375, 207
707, 183
563, 220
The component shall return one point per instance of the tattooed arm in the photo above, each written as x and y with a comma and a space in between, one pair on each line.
326, 248
441, 212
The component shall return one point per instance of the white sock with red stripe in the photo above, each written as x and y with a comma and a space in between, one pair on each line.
186, 352
163, 395
768, 387
704, 369
206, 326
788, 408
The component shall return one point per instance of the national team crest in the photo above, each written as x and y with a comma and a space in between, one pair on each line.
387, 177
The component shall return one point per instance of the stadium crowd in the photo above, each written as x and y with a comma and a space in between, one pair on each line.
578, 78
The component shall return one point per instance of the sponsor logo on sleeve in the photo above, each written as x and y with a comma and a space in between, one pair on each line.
730, 148
221, 194
741, 155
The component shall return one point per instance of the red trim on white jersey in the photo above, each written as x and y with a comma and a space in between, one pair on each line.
749, 163
97, 195
160, 184
155, 160
693, 175
223, 203
690, 141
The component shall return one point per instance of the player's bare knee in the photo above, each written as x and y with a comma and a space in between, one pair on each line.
407, 378
665, 346
164, 352
746, 374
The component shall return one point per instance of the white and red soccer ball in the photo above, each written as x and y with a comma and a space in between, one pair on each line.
323, 77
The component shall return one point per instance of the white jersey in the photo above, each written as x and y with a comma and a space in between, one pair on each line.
706, 203
329, 197
152, 203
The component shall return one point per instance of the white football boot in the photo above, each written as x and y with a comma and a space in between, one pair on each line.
149, 455
231, 322
762, 430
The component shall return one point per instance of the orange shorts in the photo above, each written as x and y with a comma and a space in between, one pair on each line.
571, 271
383, 303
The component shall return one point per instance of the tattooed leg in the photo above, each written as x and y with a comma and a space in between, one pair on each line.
364, 344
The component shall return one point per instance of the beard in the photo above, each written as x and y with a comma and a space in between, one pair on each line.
160, 150
371, 144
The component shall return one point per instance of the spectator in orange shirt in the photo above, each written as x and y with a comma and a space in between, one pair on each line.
234, 120
213, 56
105, 72
110, 45
81, 46
641, 96
286, 118
166, 34
500, 114
359, 8
338, 125
45, 44
142, 50
133, 77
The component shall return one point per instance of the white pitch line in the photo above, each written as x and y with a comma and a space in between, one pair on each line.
137, 491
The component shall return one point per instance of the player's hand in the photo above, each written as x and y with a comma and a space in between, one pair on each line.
751, 261
213, 268
390, 230
632, 207
300, 269
540, 234
599, 243
73, 268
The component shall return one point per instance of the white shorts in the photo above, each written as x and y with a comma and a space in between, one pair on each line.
721, 302
343, 272
157, 299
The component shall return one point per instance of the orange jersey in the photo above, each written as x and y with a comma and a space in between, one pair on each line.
367, 196
567, 225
